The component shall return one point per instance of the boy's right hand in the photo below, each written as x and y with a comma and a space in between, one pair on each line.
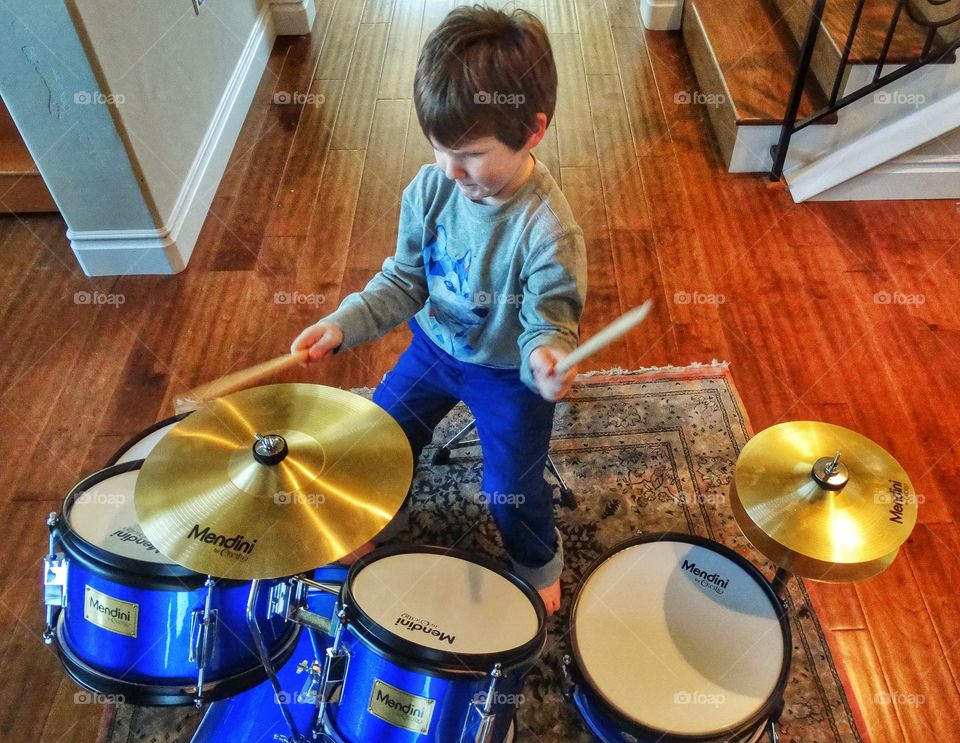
322, 338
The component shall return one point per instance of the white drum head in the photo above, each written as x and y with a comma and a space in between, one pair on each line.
144, 446
442, 602
104, 516
678, 638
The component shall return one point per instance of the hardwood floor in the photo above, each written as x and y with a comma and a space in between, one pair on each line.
792, 295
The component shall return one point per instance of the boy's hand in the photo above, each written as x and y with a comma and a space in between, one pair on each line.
322, 338
543, 362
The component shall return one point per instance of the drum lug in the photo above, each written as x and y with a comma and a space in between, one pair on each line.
334, 670
54, 581
279, 604
203, 633
484, 707
567, 682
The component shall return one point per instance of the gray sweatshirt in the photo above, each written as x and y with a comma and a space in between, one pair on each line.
488, 284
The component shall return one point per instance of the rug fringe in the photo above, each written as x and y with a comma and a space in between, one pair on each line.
620, 371
617, 371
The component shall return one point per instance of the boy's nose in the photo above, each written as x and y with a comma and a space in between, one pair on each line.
452, 170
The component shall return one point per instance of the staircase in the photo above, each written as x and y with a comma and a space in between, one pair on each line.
21, 186
746, 53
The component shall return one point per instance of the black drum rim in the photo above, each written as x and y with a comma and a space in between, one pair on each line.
168, 695
143, 434
440, 662
767, 711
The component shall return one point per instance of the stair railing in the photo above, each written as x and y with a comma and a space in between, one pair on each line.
928, 55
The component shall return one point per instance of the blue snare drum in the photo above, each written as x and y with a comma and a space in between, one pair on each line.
677, 638
431, 646
130, 623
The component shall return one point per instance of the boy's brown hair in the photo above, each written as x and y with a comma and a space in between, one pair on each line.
483, 73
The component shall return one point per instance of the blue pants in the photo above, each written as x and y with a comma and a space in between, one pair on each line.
514, 425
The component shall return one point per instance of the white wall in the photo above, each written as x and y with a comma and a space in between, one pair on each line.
43, 70
171, 68
131, 108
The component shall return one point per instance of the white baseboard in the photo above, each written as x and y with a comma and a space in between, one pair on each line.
293, 17
661, 15
167, 250
908, 177
877, 129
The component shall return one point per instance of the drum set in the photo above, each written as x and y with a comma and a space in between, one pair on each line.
200, 566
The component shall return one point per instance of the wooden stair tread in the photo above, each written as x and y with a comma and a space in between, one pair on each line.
905, 46
15, 159
757, 58
22, 188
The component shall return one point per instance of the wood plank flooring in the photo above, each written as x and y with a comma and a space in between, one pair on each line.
794, 296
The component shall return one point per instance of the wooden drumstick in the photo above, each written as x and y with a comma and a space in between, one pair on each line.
622, 325
239, 379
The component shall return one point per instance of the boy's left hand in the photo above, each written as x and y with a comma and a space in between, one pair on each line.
543, 362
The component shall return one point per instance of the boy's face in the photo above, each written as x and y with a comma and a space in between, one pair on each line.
485, 169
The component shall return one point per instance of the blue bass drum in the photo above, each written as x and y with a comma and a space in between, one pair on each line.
130, 623
432, 646
677, 638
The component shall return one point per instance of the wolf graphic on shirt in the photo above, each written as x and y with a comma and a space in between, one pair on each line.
451, 306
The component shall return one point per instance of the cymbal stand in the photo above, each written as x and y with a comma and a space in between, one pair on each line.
268, 663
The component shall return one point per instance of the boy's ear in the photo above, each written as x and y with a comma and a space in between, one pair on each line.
539, 132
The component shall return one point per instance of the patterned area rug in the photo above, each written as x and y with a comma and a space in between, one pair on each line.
643, 453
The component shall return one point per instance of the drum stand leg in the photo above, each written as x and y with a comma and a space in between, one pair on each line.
267, 662
779, 582
772, 729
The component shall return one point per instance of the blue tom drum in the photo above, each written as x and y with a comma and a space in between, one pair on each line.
128, 622
431, 645
677, 638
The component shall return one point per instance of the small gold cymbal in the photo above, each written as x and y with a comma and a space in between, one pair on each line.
822, 501
273, 481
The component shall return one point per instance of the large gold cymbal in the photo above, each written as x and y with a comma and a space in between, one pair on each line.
330, 472
816, 515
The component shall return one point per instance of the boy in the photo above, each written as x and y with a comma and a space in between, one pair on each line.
491, 266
